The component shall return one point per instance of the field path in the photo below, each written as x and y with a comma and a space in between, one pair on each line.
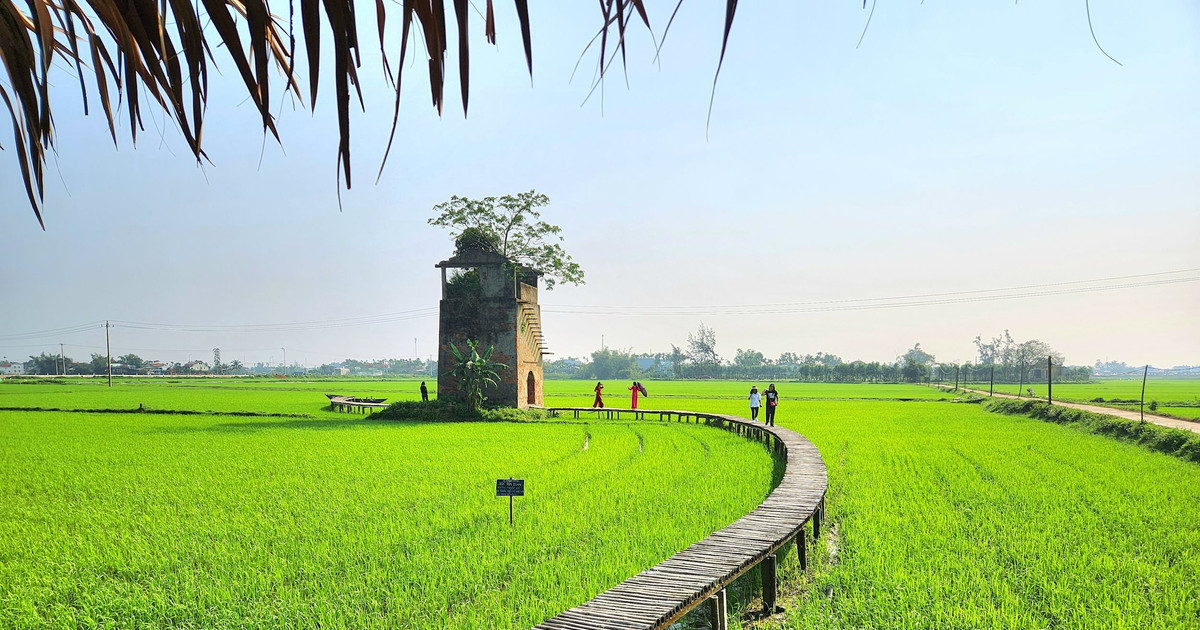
1173, 423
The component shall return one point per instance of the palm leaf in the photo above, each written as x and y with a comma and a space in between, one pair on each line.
159, 47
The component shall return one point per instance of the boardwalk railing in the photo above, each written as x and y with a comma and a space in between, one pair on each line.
660, 595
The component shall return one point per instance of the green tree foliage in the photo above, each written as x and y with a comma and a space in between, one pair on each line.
512, 227
702, 350
915, 364
609, 363
477, 238
677, 357
46, 364
475, 372
748, 358
99, 363
131, 362
1013, 359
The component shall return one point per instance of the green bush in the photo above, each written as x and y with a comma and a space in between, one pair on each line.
1182, 444
477, 238
453, 411
1153, 405
464, 286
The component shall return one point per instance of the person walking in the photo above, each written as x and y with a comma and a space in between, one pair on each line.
755, 402
599, 402
772, 397
424, 392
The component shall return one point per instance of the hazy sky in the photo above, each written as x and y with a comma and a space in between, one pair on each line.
963, 146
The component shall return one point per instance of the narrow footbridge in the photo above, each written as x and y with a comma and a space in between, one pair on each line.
353, 404
661, 595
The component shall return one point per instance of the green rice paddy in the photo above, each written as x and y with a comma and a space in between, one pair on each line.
202, 522
1174, 397
943, 515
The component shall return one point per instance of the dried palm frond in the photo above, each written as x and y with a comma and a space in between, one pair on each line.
161, 49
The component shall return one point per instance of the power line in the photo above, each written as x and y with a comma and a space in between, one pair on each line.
367, 320
862, 304
850, 304
53, 332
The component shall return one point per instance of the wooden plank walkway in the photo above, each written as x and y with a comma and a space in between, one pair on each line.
349, 404
661, 595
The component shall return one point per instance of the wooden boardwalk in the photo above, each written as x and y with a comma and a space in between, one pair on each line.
659, 596
352, 404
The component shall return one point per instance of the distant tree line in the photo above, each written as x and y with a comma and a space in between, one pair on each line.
132, 364
382, 367
124, 365
1013, 362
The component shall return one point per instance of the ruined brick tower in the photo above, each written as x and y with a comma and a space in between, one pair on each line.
488, 301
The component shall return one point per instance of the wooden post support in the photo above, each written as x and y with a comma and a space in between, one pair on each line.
816, 519
770, 584
720, 610
802, 550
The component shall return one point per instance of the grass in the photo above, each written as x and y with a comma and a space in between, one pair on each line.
946, 515
949, 516
1182, 444
195, 521
1179, 398
306, 397
204, 394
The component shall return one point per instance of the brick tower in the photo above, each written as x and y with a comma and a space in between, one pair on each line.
488, 300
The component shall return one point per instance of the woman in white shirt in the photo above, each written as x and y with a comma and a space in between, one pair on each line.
755, 402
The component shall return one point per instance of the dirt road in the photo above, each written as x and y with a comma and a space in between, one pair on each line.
1173, 423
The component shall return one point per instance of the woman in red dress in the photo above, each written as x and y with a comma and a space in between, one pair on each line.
598, 402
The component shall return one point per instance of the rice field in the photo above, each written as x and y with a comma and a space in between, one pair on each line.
950, 517
1175, 397
211, 522
944, 515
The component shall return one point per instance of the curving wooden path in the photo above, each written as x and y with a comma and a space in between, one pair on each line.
659, 596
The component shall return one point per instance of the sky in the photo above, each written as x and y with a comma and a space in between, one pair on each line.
962, 147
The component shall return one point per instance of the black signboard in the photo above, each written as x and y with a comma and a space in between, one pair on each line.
510, 487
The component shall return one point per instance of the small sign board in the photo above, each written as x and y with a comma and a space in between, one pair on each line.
510, 487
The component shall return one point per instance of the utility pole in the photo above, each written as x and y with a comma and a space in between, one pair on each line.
1050, 380
956, 378
108, 346
1142, 406
62, 357
992, 382
284, 361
